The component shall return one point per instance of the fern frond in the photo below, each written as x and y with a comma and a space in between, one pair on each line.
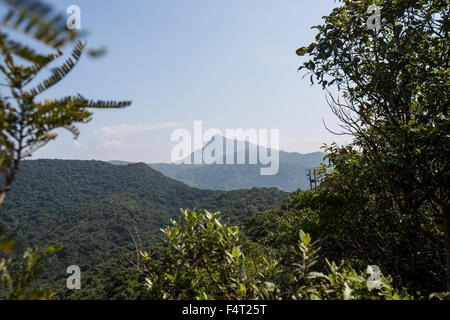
27, 74
101, 104
27, 53
60, 72
36, 19
6, 54
57, 112
63, 113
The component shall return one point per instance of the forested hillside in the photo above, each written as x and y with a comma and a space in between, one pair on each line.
94, 209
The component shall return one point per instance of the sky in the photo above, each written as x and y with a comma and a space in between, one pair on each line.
230, 64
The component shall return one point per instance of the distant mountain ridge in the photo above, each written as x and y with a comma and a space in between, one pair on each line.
291, 175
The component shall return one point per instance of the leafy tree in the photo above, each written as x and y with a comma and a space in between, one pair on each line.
27, 124
393, 87
206, 261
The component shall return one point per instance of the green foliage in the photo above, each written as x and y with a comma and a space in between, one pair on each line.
7, 243
393, 87
95, 209
206, 261
18, 277
26, 124
39, 21
112, 279
355, 225
341, 282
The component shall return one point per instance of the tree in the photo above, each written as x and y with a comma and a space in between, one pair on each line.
393, 87
25, 123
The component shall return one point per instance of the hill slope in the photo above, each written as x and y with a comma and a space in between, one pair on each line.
93, 207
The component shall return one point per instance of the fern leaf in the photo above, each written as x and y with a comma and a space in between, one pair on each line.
100, 104
60, 72
38, 20
26, 53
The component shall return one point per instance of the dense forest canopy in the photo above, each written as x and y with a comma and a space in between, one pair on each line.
96, 210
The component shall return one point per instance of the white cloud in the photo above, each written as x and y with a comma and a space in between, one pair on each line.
116, 144
131, 142
124, 130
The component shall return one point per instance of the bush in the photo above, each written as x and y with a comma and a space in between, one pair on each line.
207, 261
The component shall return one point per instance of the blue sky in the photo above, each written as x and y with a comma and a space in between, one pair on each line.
230, 64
